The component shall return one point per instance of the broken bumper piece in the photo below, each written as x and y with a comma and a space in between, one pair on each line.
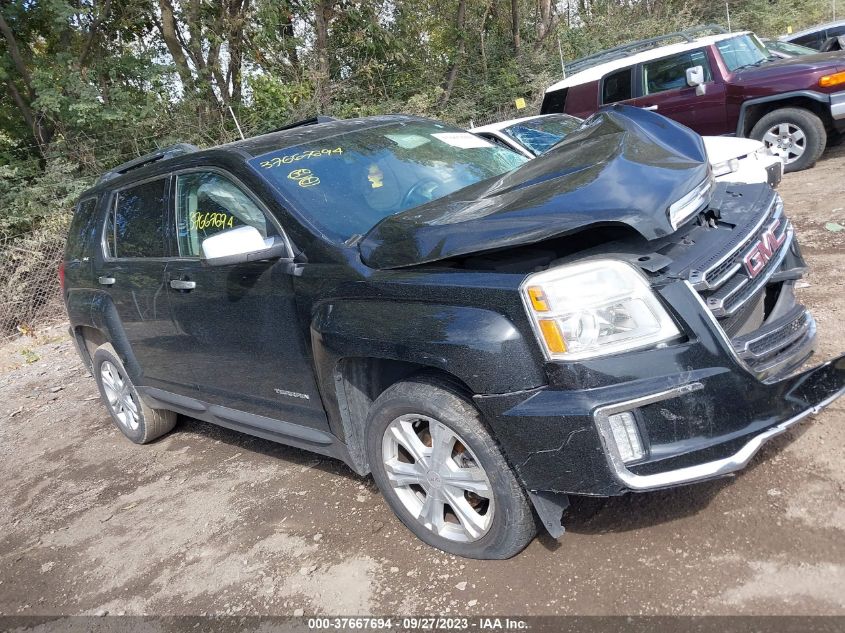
701, 424
824, 377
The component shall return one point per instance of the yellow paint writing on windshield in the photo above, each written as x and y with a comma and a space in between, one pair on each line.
304, 177
292, 158
201, 221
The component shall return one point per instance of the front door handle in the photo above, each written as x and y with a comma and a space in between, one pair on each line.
106, 281
182, 284
651, 108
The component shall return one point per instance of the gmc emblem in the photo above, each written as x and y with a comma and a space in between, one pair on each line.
761, 252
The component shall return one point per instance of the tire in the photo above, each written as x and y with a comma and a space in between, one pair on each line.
495, 520
789, 126
138, 422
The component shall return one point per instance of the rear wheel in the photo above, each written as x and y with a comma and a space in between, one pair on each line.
138, 422
795, 134
443, 474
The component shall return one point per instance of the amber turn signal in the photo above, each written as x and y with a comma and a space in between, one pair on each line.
832, 80
538, 299
552, 336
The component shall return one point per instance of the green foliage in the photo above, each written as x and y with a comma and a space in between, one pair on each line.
31, 196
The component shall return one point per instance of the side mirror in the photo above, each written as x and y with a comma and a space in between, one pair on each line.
237, 246
695, 79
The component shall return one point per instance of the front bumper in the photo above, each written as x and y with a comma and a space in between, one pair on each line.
837, 106
702, 410
709, 469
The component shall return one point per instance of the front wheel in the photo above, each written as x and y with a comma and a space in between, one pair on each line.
443, 474
795, 134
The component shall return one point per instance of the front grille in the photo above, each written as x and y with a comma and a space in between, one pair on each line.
780, 337
727, 284
757, 313
725, 262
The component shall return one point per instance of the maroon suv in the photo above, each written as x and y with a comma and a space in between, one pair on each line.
726, 83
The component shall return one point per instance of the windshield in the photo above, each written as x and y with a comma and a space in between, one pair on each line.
789, 48
347, 183
538, 135
741, 51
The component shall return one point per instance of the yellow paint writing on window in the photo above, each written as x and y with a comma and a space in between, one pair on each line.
292, 158
304, 177
201, 221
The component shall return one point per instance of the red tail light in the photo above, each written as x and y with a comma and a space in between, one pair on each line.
62, 275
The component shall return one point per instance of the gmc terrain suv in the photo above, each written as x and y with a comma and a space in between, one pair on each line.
484, 334
727, 83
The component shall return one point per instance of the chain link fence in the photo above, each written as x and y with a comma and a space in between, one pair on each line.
30, 294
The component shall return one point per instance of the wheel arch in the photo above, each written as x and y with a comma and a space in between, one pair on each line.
358, 353
360, 380
104, 326
752, 110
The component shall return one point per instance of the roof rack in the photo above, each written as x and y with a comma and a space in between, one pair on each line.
625, 50
314, 120
160, 154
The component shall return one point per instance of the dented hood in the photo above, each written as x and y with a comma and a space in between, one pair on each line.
625, 166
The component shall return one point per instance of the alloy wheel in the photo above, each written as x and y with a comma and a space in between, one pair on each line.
786, 140
119, 396
438, 478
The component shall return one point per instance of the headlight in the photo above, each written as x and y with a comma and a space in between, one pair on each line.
692, 203
725, 167
595, 308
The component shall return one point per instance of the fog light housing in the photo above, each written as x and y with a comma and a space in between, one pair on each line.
626, 435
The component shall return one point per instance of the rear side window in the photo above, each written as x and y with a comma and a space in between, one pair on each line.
669, 73
136, 225
836, 31
813, 40
81, 229
617, 86
554, 101
208, 203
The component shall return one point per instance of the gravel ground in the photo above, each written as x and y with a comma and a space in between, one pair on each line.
211, 521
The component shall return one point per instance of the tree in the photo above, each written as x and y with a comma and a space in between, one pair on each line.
197, 35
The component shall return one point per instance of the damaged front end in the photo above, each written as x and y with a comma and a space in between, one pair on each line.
699, 406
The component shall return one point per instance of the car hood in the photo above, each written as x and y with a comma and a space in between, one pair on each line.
722, 148
833, 61
625, 166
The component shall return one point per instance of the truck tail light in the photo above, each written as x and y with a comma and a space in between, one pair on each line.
626, 435
62, 275
826, 81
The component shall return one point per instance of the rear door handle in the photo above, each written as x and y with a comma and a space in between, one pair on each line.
651, 108
106, 281
182, 284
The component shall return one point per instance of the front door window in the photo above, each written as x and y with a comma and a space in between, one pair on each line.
208, 203
669, 73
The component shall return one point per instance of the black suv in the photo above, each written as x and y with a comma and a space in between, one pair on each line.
484, 334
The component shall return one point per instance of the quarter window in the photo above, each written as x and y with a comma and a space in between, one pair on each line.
136, 225
617, 87
669, 73
81, 227
208, 203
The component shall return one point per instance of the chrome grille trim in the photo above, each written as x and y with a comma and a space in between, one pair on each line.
727, 304
701, 279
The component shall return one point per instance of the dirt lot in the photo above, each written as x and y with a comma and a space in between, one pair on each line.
210, 521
